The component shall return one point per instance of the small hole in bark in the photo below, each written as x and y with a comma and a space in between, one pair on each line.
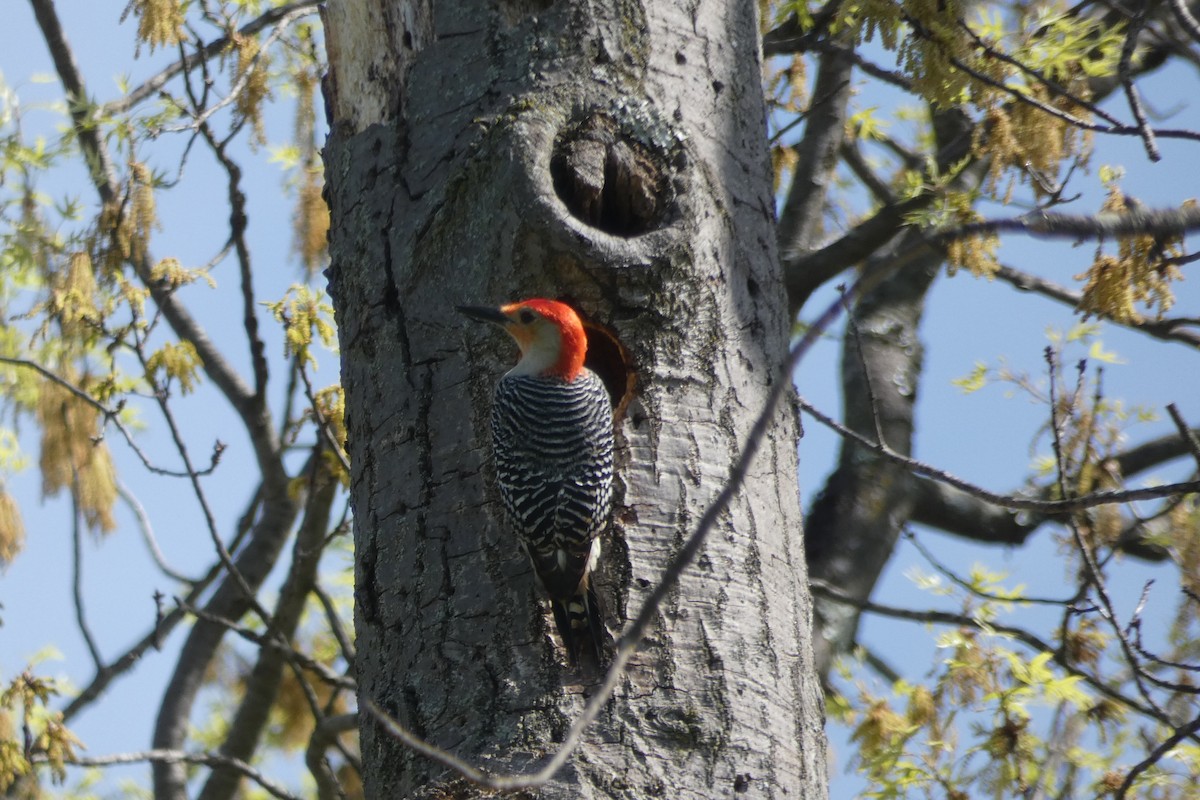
608, 179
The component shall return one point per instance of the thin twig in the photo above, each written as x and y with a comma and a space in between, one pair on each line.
180, 756
213, 49
281, 24
1165, 329
160, 395
133, 656
266, 641
349, 655
872, 403
77, 569
323, 424
147, 529
1028, 638
1156, 755
112, 416
1187, 434
1131, 93
1051, 507
1092, 572
975, 590
238, 224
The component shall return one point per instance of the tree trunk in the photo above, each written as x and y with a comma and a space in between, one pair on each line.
867, 502
612, 155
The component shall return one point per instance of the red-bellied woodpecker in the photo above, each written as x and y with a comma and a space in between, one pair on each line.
552, 442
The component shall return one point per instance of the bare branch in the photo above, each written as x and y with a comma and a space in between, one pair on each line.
77, 573
112, 416
921, 469
1184, 15
1092, 572
163, 625
854, 159
1171, 330
262, 685
1135, 222
182, 757
151, 540
1157, 754
207, 52
817, 156
238, 222
803, 272
95, 153
325, 735
1185, 433
134, 654
267, 642
1028, 638
1153, 453
281, 24
947, 508
160, 395
1131, 93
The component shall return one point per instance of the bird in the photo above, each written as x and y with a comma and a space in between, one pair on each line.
552, 446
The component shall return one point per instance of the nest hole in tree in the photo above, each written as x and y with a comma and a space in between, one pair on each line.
610, 360
608, 179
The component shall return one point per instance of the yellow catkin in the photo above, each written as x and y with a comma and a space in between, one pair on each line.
74, 457
74, 297
1137, 274
142, 212
929, 58
12, 530
251, 74
160, 22
312, 222
1186, 544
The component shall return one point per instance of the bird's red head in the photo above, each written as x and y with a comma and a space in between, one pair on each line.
549, 333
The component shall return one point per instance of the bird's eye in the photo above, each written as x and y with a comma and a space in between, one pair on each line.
526, 316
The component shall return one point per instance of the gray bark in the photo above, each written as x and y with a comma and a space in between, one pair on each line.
657, 222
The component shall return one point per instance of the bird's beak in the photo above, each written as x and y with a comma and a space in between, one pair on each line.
484, 314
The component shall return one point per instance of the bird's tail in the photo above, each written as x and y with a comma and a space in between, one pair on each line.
580, 622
